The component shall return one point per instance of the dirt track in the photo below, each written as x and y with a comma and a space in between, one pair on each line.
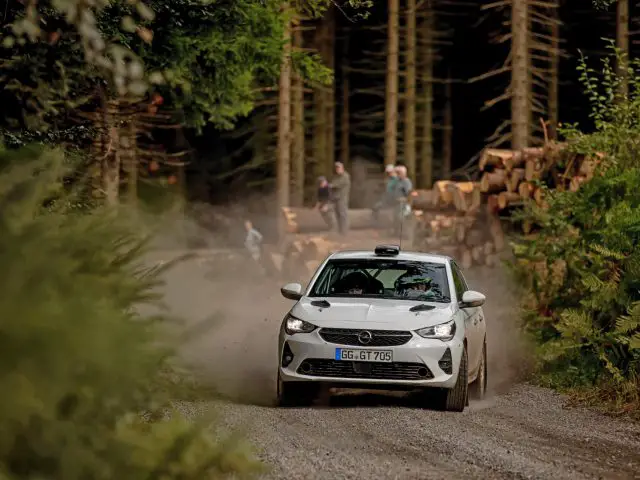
518, 432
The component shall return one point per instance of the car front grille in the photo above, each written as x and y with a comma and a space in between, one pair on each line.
379, 338
365, 370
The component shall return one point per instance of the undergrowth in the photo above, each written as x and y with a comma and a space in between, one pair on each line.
87, 380
582, 269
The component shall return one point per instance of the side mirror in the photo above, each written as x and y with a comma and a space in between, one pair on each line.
471, 299
292, 291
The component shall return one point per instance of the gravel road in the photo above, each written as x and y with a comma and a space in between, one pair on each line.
520, 431
526, 433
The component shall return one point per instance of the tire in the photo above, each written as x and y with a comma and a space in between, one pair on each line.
295, 394
478, 389
456, 398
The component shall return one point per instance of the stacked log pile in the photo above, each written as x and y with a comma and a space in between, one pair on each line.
450, 220
309, 220
510, 178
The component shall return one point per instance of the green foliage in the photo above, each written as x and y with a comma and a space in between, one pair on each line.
80, 363
215, 55
586, 315
208, 58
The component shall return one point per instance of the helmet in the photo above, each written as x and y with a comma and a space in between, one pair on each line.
354, 280
409, 280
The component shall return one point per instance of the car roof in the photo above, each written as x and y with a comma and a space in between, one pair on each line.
407, 256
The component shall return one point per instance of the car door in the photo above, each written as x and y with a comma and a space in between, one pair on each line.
471, 318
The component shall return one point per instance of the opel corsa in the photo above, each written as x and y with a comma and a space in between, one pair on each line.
384, 320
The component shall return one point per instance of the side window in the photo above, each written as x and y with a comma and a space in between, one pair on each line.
458, 281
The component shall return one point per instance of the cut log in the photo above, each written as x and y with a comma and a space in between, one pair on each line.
421, 199
493, 157
475, 238
488, 248
442, 195
461, 232
466, 259
525, 190
506, 199
493, 181
516, 176
491, 260
458, 196
477, 253
532, 170
476, 200
492, 204
308, 220
538, 195
496, 232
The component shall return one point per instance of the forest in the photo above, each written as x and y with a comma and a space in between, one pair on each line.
114, 107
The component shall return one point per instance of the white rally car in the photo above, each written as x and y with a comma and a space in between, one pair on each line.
384, 320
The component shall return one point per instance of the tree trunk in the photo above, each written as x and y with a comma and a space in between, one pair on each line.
345, 154
554, 70
330, 91
319, 121
520, 80
110, 168
622, 44
391, 108
128, 142
283, 153
447, 132
297, 145
410, 92
426, 151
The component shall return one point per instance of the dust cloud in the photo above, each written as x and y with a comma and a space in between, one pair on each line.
237, 353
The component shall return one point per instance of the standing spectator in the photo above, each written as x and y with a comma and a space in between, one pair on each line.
388, 199
403, 185
323, 201
340, 190
403, 188
253, 241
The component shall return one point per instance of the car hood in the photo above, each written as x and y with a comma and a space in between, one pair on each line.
374, 313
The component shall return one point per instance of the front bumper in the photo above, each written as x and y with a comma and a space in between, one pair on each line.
416, 364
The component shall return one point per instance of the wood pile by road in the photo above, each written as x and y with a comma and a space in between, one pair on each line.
450, 220
510, 178
462, 219
309, 220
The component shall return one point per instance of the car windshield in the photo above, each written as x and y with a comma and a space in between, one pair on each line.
389, 279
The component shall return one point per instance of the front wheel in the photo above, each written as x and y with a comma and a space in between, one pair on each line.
478, 388
456, 398
294, 394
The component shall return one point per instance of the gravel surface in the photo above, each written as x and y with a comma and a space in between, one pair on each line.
526, 433
520, 431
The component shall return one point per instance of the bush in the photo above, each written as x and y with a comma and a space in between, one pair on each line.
584, 302
80, 364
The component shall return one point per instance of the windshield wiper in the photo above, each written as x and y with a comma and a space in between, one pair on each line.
423, 307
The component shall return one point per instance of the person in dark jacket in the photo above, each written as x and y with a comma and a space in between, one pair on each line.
323, 201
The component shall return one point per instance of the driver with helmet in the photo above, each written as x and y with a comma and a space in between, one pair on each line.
413, 285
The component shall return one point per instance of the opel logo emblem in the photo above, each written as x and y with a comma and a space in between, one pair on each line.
364, 337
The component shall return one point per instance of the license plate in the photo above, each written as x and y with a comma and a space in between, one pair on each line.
353, 355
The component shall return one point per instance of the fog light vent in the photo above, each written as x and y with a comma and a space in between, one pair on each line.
446, 363
287, 355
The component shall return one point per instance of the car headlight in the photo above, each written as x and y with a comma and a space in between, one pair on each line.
294, 325
444, 331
